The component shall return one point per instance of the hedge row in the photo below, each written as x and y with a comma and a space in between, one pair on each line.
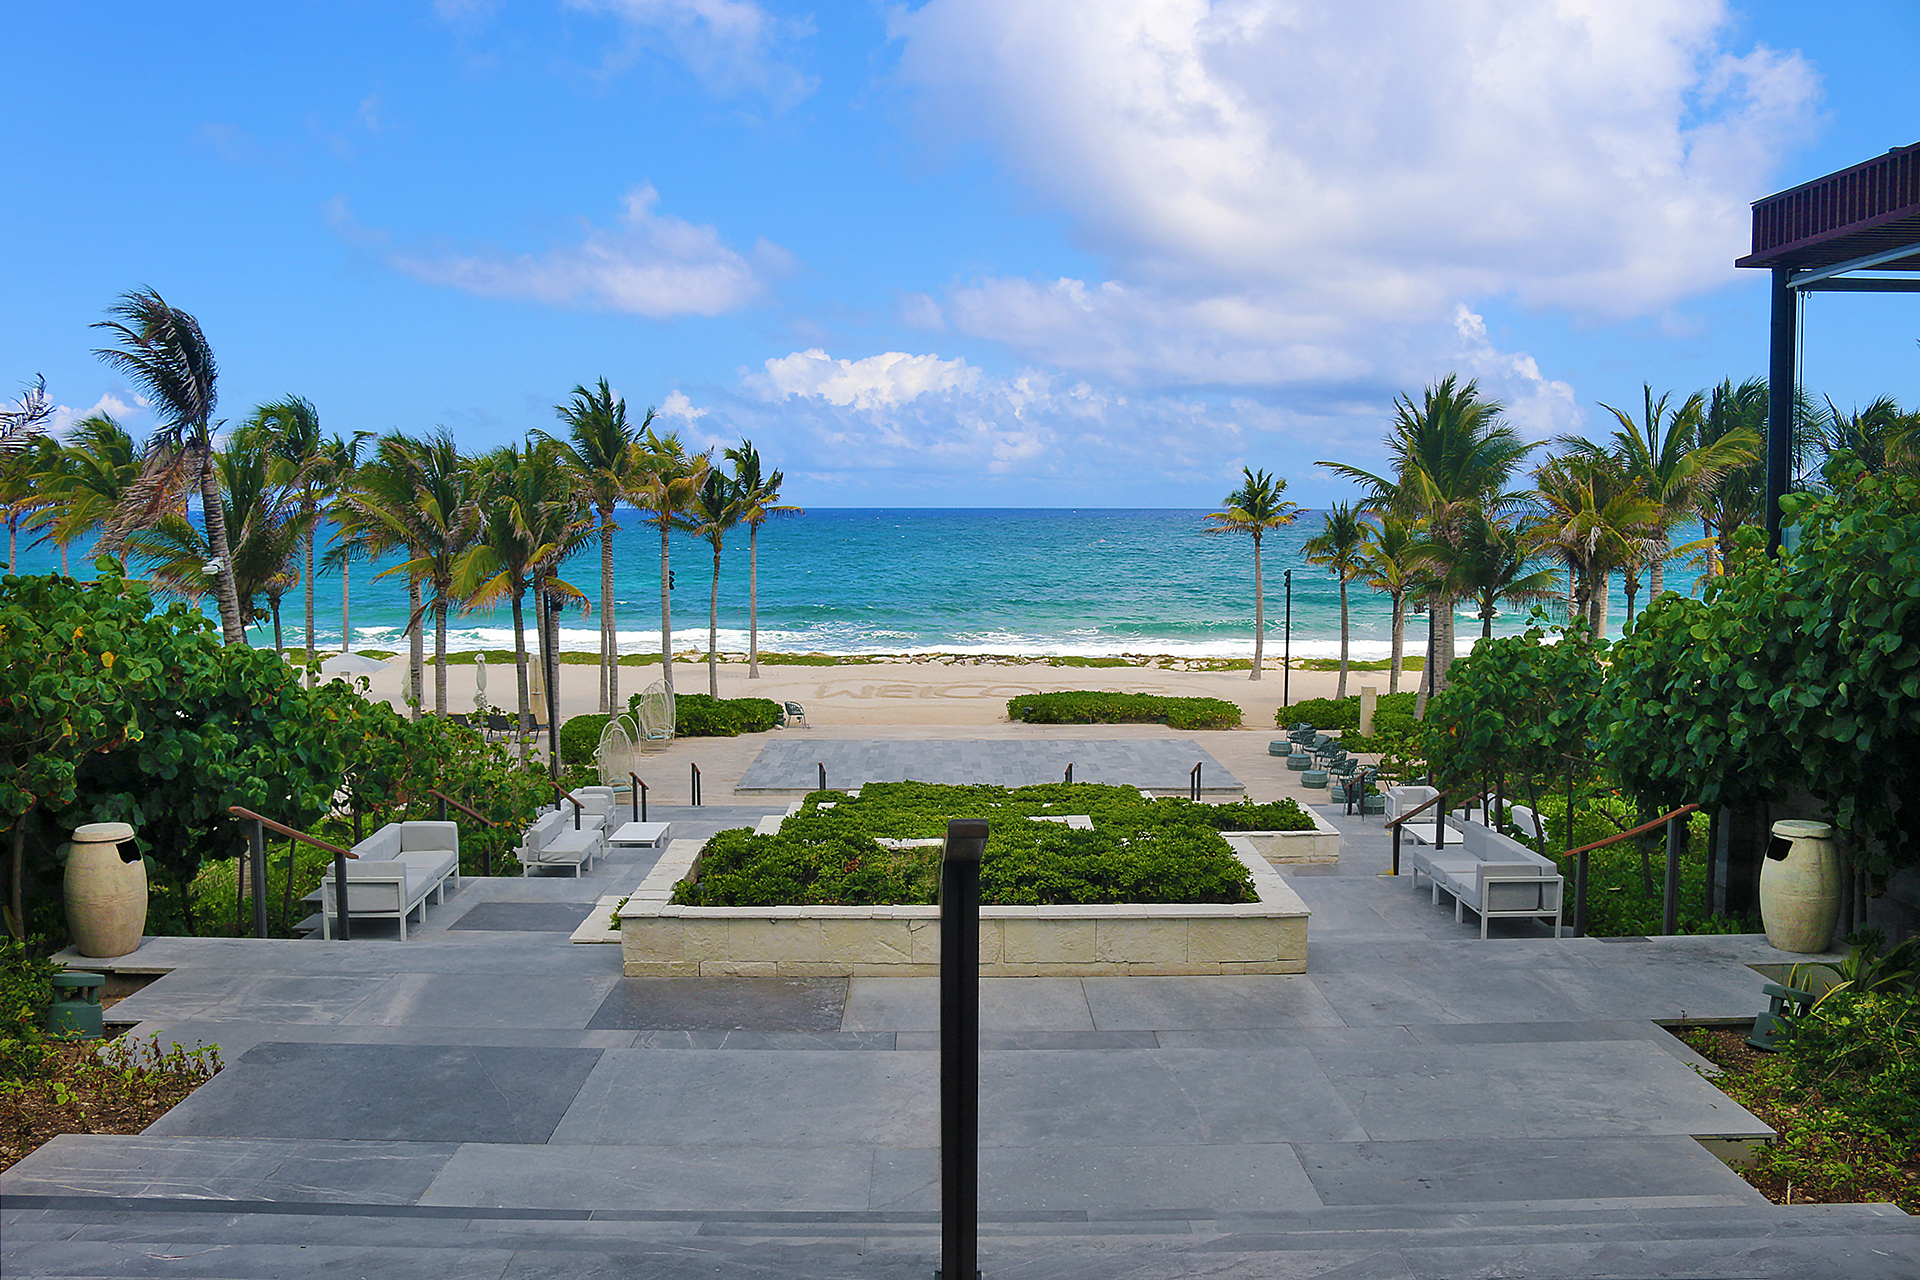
1140, 851
1392, 717
1095, 707
700, 715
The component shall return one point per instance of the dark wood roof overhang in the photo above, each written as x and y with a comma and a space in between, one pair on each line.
1864, 217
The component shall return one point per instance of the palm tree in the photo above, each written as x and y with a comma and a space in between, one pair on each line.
1594, 519
715, 509
305, 465
1733, 499
1665, 454
377, 515
1254, 509
163, 351
1490, 565
759, 498
1390, 564
22, 432
342, 469
1878, 437
1339, 547
665, 479
530, 523
99, 464
1452, 456
442, 522
600, 449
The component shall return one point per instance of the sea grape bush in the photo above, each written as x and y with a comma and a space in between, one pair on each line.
1095, 707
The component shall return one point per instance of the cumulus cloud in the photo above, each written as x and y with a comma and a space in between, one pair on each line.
730, 46
110, 404
648, 264
888, 379
1294, 194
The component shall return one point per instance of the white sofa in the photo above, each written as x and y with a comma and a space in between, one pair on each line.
1490, 875
554, 841
394, 871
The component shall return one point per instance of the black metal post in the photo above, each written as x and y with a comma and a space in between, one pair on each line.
823, 775
1780, 389
694, 786
639, 797
344, 924
257, 857
1396, 851
1193, 783
960, 1049
1286, 653
1580, 894
1670, 905
1069, 772
443, 808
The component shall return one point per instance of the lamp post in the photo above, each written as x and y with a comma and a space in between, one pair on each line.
1286, 657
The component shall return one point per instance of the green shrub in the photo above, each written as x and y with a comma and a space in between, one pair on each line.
1392, 716
26, 989
1164, 851
1097, 707
580, 738
700, 715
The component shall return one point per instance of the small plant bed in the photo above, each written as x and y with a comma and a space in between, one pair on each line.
1086, 707
84, 1087
1844, 1096
1138, 851
1392, 716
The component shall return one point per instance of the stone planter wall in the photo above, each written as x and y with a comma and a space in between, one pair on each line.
1284, 848
658, 939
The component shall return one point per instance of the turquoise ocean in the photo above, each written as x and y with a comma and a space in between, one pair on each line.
1090, 582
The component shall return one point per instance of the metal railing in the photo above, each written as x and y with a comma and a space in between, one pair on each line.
560, 793
446, 800
1675, 823
639, 797
257, 852
694, 785
1440, 827
1193, 782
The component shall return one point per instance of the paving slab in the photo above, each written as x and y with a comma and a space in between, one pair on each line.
609, 1176
292, 1169
484, 1000
425, 1093
214, 996
524, 917
1007, 1005
724, 1004
791, 766
1174, 1181
1189, 1004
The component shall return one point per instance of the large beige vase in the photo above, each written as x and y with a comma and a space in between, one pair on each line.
1800, 886
106, 898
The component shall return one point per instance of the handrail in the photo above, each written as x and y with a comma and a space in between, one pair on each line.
638, 796
447, 799
1439, 832
1413, 813
578, 808
1640, 830
284, 830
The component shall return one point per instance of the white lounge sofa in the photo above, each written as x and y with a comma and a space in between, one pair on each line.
1490, 875
554, 841
393, 872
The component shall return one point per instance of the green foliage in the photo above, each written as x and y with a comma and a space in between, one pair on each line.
700, 715
1096, 707
1516, 705
1625, 881
1392, 715
26, 989
1138, 851
580, 738
1797, 672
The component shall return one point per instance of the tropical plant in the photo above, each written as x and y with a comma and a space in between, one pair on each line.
376, 518
304, 464
21, 428
1732, 500
1594, 519
600, 450
163, 351
343, 471
1253, 510
1390, 563
1878, 438
715, 508
1339, 547
665, 479
759, 501
99, 464
1490, 565
1451, 458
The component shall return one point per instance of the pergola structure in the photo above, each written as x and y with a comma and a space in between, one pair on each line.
1820, 237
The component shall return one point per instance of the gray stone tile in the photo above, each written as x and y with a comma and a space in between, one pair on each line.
1188, 1004
1157, 763
229, 1168
524, 917
486, 1000
608, 1176
234, 1038
247, 996
1007, 1005
1167, 1180
800, 1098
1559, 1090
81, 1258
1457, 1173
1287, 1038
723, 1004
1159, 1097
442, 1093
1441, 993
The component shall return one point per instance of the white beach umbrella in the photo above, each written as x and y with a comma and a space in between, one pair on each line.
341, 665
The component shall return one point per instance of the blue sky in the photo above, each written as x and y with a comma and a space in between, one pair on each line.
960, 253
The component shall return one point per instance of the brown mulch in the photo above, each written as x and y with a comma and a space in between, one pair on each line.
79, 1093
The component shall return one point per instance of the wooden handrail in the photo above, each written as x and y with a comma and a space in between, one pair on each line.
1640, 830
1413, 813
289, 832
479, 818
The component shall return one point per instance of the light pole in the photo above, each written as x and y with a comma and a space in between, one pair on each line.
1286, 653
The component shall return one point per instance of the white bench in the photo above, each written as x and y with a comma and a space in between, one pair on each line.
392, 873
1490, 875
554, 841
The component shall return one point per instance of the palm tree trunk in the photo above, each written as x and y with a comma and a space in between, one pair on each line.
273, 602
525, 703
1399, 643
1631, 580
1442, 607
312, 656
666, 616
753, 601
416, 645
1656, 574
547, 671
346, 599
439, 653
63, 562
1259, 610
713, 631
609, 640
1343, 640
1599, 605
224, 592
1426, 669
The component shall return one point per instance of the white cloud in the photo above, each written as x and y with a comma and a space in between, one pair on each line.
729, 45
677, 405
64, 416
883, 381
649, 264
1294, 194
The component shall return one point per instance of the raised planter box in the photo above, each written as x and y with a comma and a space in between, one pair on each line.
659, 939
1290, 848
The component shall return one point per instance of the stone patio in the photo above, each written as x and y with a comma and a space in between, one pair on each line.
488, 1099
